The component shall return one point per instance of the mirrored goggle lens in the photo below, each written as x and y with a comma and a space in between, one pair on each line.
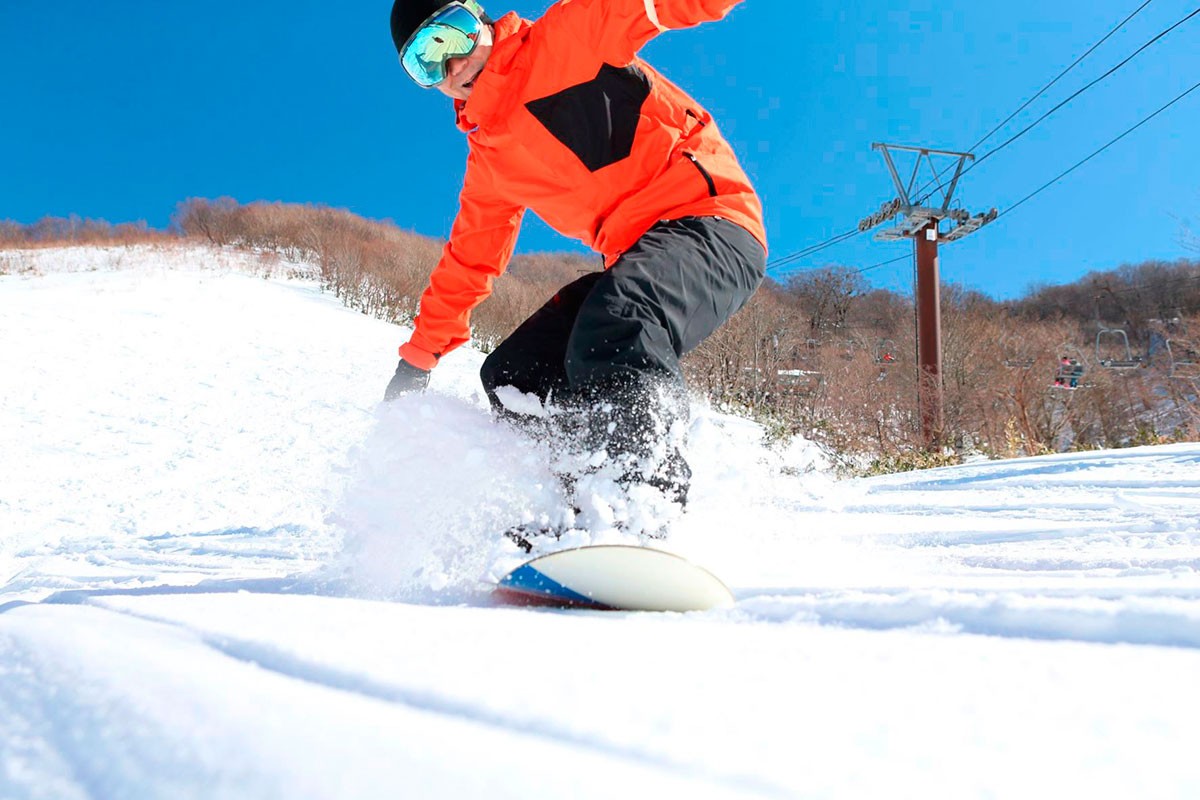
451, 33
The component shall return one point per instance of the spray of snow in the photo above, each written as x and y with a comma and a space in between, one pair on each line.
439, 479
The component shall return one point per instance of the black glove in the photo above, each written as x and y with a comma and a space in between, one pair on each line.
407, 379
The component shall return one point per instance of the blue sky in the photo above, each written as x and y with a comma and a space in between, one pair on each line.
120, 110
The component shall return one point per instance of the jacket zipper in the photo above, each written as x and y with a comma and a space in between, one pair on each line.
712, 187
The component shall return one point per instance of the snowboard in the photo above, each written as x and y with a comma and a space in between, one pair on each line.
613, 578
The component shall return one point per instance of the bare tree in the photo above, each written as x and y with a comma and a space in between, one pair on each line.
826, 297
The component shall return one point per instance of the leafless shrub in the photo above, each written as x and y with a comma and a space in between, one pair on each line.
76, 230
373, 267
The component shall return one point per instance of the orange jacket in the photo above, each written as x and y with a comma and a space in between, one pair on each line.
567, 121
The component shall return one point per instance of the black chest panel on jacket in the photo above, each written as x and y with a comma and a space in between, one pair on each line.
597, 119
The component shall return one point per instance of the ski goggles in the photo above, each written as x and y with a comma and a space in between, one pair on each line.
452, 32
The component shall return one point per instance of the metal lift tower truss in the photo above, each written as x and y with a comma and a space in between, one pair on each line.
922, 224
916, 218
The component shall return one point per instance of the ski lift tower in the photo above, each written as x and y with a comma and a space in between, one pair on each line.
922, 223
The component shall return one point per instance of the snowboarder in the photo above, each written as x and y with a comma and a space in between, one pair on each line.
564, 119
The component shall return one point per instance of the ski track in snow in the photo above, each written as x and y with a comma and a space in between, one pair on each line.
226, 571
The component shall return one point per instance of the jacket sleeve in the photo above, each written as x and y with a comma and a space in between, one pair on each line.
617, 29
481, 243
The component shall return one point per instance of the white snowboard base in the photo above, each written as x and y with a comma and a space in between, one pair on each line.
613, 577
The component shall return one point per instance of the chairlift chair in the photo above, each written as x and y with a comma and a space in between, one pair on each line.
1185, 359
1014, 355
1071, 368
1119, 340
885, 352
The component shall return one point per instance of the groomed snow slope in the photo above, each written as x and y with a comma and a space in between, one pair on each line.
226, 571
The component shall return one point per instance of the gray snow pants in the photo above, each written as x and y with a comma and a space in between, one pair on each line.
609, 343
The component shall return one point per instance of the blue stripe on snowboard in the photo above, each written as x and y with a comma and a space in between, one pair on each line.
527, 579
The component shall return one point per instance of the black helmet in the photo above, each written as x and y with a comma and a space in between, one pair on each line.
407, 16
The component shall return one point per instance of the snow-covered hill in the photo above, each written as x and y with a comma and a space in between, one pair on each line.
226, 571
